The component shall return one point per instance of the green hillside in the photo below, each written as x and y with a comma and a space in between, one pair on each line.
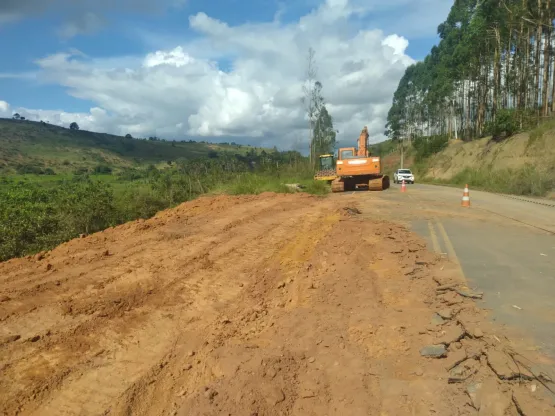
36, 147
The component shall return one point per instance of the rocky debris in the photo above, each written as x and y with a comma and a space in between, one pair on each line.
526, 407
450, 334
493, 399
446, 313
505, 367
454, 358
311, 359
4, 298
463, 371
437, 320
474, 348
451, 299
34, 338
352, 210
477, 333
434, 351
467, 293
473, 391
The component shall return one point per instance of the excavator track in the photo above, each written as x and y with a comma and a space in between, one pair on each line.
378, 184
337, 185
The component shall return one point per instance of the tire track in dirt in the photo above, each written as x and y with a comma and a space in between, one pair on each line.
268, 305
112, 299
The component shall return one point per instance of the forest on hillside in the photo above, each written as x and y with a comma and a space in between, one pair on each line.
492, 73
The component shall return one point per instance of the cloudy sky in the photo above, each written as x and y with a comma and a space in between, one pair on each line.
218, 70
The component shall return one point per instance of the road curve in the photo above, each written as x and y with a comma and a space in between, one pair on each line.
504, 246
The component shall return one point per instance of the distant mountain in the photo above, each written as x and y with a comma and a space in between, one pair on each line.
37, 147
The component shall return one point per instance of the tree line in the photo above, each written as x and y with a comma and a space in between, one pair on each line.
491, 73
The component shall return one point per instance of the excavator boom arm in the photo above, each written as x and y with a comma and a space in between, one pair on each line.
363, 143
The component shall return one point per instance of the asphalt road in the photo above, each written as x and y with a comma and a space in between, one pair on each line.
504, 247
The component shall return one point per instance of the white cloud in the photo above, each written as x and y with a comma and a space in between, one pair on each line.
182, 92
5, 109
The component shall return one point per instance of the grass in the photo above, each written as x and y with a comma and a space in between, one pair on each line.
538, 133
249, 183
527, 180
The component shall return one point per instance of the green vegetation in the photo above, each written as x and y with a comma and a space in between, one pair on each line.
28, 147
37, 212
428, 146
527, 180
384, 148
490, 74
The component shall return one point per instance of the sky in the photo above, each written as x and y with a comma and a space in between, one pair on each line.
214, 70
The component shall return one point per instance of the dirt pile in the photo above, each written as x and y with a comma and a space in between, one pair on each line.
266, 305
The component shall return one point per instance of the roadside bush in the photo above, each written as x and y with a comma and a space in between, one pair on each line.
35, 218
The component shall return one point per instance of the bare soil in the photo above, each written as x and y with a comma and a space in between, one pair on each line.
257, 305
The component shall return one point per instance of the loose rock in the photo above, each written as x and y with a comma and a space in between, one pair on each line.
473, 391
454, 358
451, 334
437, 320
527, 407
434, 351
446, 313
477, 333
502, 365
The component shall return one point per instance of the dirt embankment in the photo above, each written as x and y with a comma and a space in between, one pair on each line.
268, 305
512, 153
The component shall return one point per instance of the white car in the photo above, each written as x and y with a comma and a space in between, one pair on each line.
403, 174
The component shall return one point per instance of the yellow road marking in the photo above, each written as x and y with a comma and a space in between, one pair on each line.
435, 243
450, 249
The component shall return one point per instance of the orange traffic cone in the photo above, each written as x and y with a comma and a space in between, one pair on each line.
466, 197
403, 186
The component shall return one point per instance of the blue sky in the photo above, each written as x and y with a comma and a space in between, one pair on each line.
105, 39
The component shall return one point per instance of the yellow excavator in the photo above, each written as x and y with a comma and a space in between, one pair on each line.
326, 170
357, 168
